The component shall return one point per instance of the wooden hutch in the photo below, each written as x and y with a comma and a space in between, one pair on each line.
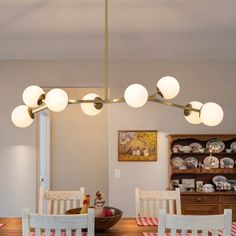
194, 202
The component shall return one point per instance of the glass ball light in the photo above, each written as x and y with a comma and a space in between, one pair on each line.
168, 86
194, 117
211, 114
136, 95
20, 116
89, 108
56, 100
31, 95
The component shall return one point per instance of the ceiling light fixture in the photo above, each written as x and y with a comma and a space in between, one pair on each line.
136, 95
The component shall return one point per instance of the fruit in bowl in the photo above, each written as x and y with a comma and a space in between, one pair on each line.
104, 222
107, 212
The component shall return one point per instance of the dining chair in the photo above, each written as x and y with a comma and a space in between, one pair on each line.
57, 225
58, 202
149, 202
195, 225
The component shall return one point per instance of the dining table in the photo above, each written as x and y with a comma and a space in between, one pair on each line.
125, 227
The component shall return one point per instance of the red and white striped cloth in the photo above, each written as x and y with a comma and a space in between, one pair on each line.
167, 234
233, 230
62, 234
220, 232
147, 221
1, 225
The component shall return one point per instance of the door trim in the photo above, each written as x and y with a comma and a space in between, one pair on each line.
47, 113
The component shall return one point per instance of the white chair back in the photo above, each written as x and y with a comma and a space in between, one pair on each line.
149, 202
193, 224
58, 202
57, 225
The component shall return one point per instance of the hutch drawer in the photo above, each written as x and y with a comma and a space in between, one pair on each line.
199, 199
200, 209
230, 199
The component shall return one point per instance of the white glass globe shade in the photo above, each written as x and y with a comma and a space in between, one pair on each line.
211, 114
31, 95
194, 117
89, 108
136, 95
56, 100
20, 117
168, 86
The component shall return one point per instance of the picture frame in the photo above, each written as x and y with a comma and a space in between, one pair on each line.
137, 145
189, 183
199, 186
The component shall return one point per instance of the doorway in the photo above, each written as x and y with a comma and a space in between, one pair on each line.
44, 151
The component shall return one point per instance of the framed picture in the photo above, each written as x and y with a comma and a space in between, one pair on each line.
188, 183
137, 145
199, 186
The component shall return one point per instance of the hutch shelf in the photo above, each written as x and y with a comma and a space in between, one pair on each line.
199, 202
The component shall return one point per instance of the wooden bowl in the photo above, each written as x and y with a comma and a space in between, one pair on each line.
102, 223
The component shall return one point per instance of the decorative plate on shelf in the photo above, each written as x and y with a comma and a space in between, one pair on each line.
195, 147
211, 162
219, 178
177, 148
233, 146
215, 145
226, 162
177, 162
191, 162
208, 188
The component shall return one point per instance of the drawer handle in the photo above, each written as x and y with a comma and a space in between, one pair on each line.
199, 199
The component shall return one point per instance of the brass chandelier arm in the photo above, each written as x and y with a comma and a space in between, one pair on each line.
41, 107
104, 101
186, 108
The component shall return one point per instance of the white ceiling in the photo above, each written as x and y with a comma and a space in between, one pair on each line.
159, 29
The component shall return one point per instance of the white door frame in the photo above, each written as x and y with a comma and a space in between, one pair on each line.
46, 152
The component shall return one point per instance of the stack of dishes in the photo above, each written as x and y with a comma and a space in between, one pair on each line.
221, 183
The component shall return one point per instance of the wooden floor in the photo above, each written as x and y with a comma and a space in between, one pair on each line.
125, 227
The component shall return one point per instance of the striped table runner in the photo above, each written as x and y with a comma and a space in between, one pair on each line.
62, 234
147, 221
220, 232
167, 234
233, 230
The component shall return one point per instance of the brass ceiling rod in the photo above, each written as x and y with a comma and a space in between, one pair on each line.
106, 66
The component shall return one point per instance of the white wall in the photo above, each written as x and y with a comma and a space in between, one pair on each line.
18, 150
202, 80
80, 147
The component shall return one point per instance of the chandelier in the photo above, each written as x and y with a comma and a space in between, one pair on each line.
135, 95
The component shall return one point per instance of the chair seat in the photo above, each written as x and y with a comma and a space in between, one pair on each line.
147, 221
